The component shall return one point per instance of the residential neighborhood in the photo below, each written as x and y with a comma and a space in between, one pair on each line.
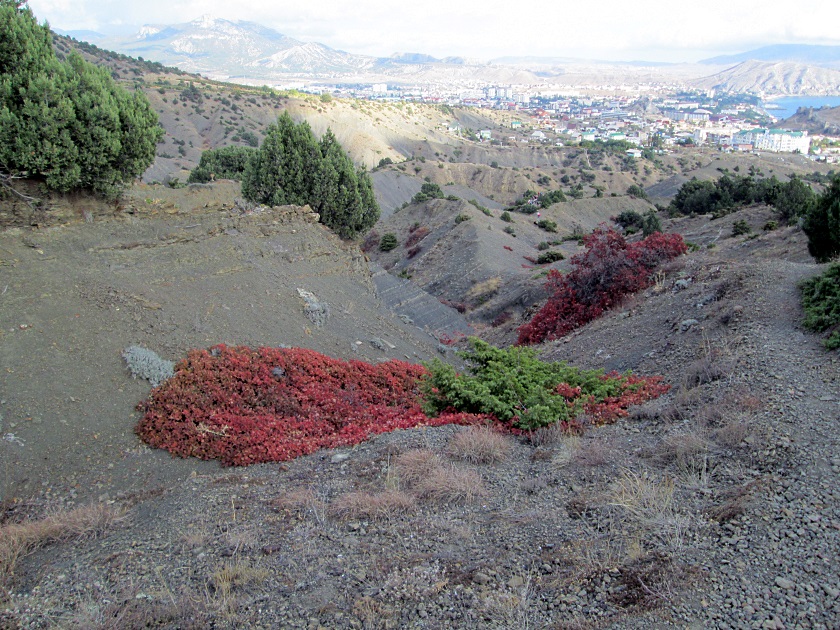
661, 116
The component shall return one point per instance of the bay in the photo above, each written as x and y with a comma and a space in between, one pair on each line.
786, 107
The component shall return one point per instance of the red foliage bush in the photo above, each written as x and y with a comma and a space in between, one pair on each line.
636, 390
501, 318
371, 241
416, 236
601, 277
461, 307
245, 406
411, 253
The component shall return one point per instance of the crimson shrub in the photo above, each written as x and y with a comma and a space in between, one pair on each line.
602, 276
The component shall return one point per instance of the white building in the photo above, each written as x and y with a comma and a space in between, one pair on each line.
776, 140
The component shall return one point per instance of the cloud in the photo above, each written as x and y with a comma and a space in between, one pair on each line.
604, 28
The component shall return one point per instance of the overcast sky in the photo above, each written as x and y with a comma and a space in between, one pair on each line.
655, 30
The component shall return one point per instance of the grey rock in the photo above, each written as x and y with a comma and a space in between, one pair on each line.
784, 583
481, 578
687, 323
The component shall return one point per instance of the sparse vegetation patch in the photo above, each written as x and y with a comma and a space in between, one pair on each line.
525, 393
602, 276
821, 303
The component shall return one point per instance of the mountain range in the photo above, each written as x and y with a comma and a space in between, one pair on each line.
242, 50
828, 56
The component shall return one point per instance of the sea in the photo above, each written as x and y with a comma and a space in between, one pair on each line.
786, 107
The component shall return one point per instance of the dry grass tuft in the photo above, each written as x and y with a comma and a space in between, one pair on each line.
647, 502
20, 539
378, 506
732, 434
415, 465
682, 449
551, 435
736, 502
712, 367
485, 289
479, 445
646, 498
593, 453
449, 484
183, 611
299, 503
237, 575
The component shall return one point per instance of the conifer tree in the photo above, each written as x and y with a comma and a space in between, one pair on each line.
66, 123
292, 167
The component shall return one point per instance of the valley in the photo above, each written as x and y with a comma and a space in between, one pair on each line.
714, 505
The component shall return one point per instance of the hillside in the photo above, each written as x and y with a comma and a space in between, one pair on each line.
773, 79
128, 280
712, 506
825, 120
702, 487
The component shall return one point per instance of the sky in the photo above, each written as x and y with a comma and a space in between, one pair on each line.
620, 30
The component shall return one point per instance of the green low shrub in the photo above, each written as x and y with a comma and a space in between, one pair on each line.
388, 242
821, 303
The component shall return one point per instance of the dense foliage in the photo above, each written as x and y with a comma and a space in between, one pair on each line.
67, 123
532, 201
792, 199
821, 303
632, 222
822, 224
428, 190
244, 406
601, 277
388, 242
521, 391
222, 163
292, 167
637, 191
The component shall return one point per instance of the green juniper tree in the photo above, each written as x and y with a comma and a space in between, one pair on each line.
822, 224
66, 123
292, 167
222, 163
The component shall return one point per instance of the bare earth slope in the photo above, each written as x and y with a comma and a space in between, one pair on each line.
714, 506
170, 276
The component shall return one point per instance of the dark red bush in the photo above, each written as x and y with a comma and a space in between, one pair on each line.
601, 277
461, 307
411, 253
501, 318
416, 236
371, 241
245, 406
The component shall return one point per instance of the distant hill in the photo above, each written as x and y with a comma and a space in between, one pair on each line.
215, 46
816, 121
802, 53
774, 79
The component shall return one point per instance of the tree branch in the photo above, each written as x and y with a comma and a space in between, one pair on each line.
6, 182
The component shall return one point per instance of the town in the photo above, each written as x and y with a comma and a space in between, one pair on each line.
657, 118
